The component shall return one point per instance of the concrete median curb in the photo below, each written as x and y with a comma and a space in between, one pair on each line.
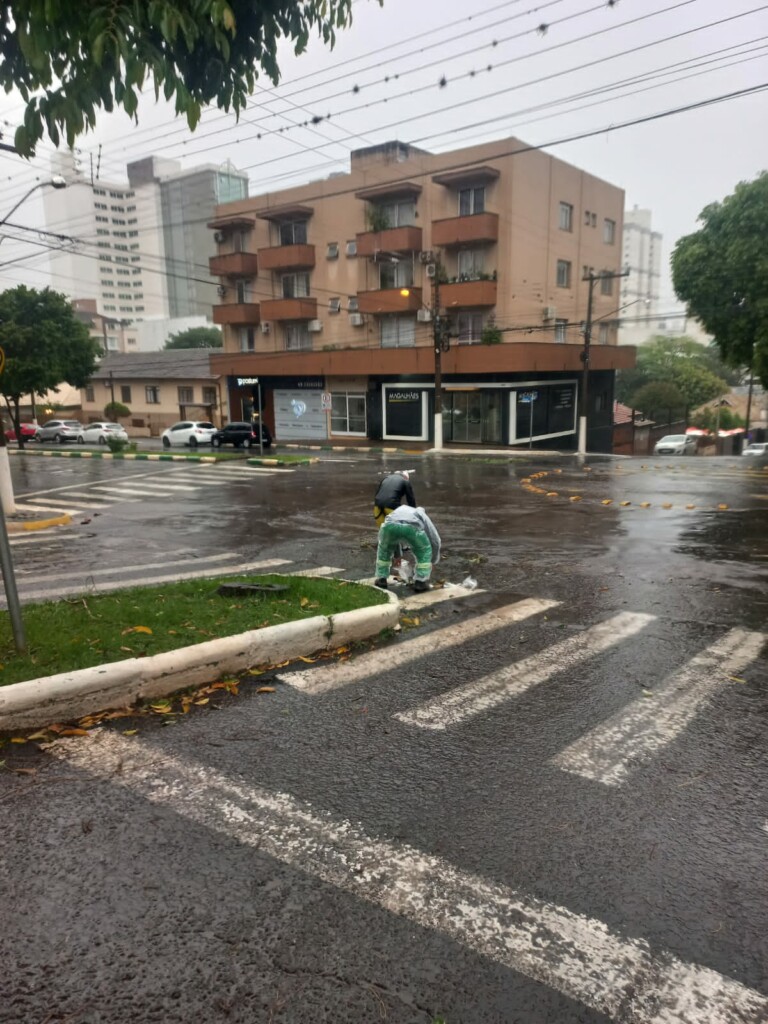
69, 695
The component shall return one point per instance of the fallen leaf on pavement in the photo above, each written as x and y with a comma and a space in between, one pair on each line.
130, 732
205, 700
734, 679
18, 739
74, 731
25, 771
266, 689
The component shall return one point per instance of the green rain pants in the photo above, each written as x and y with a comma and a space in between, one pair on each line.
391, 536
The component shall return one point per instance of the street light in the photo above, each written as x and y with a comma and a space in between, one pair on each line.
55, 182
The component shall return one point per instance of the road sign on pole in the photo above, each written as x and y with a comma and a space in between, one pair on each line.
528, 398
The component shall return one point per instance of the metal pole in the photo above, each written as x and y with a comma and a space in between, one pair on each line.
11, 593
437, 334
585, 370
530, 424
261, 428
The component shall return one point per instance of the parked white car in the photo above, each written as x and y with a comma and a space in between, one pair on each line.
97, 433
756, 450
676, 444
59, 431
189, 432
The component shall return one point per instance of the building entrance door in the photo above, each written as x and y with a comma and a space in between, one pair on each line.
472, 417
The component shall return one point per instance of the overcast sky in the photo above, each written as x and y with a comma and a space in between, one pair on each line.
446, 73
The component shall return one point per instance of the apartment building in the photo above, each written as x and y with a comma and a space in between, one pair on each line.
332, 295
138, 257
640, 290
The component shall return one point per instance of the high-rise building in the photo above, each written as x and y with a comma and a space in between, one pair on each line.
336, 294
142, 245
640, 291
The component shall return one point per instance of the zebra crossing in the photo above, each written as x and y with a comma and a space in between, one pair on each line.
612, 750
150, 486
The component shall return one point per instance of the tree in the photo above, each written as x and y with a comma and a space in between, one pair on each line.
659, 400
45, 345
195, 337
721, 271
706, 419
114, 410
68, 60
690, 367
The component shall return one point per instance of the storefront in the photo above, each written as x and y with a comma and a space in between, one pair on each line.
294, 408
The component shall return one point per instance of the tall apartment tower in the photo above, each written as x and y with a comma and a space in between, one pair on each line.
641, 250
142, 245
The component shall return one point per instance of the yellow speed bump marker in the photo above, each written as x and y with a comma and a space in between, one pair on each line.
551, 494
625, 503
607, 501
722, 506
666, 505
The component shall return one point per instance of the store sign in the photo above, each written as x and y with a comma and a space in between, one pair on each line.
246, 381
299, 415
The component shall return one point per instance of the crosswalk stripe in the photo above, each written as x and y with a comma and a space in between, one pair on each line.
321, 570
617, 976
611, 751
473, 698
107, 586
329, 677
125, 492
170, 485
141, 567
68, 503
413, 602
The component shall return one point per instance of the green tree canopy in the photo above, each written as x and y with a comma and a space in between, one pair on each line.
68, 60
721, 271
45, 345
196, 337
659, 400
694, 370
116, 410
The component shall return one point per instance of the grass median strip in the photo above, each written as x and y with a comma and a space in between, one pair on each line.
79, 632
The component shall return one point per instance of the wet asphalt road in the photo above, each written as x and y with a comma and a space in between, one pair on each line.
205, 872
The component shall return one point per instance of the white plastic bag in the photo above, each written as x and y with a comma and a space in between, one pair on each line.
405, 570
470, 583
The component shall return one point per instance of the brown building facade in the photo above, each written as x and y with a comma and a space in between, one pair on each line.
332, 295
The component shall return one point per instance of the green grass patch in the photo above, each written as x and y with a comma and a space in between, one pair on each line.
78, 632
282, 460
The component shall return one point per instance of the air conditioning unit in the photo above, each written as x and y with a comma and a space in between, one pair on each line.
424, 316
222, 291
356, 319
549, 313
334, 305
315, 326
219, 237
431, 269
332, 252
265, 327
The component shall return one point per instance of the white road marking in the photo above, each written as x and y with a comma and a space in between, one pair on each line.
68, 503
43, 594
333, 676
579, 956
413, 602
140, 567
322, 570
124, 492
474, 698
611, 751
170, 486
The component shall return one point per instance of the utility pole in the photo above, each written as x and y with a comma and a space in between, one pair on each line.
442, 343
111, 388
591, 278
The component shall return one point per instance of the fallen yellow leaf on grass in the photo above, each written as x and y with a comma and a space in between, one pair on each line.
304, 602
266, 689
136, 629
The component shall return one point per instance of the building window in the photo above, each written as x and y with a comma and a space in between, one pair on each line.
609, 231
352, 304
296, 286
587, 217
152, 394
604, 334
468, 327
471, 264
396, 215
351, 249
606, 285
396, 275
471, 200
398, 332
566, 217
334, 305
247, 339
186, 395
348, 413
296, 336
560, 329
293, 232
90, 395
209, 397
593, 220
332, 252
563, 274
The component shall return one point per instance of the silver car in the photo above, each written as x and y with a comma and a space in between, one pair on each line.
98, 433
59, 431
676, 444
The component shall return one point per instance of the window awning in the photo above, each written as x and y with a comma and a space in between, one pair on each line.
467, 176
289, 211
231, 223
393, 190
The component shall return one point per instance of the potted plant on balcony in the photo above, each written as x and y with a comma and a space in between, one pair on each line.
377, 219
491, 334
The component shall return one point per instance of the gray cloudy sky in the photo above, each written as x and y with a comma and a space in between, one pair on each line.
446, 73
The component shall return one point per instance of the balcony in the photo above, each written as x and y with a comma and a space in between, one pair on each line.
406, 239
389, 300
287, 257
234, 264
466, 294
289, 309
478, 227
242, 314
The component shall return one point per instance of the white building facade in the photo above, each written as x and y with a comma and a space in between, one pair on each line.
640, 291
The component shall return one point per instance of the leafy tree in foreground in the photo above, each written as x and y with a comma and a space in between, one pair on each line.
45, 346
68, 59
196, 337
721, 271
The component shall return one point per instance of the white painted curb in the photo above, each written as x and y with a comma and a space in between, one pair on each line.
67, 695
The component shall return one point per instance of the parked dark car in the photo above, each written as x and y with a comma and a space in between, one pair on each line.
242, 435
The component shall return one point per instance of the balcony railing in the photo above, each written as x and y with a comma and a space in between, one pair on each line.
289, 309
287, 257
240, 313
468, 294
477, 227
389, 300
234, 264
407, 239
